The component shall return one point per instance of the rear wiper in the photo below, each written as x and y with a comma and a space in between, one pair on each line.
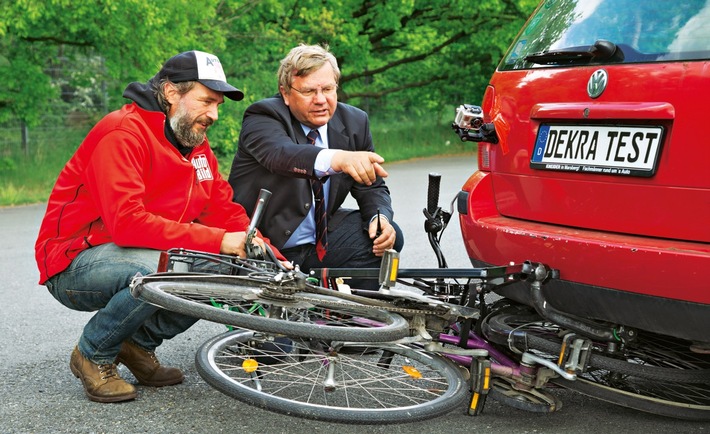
601, 51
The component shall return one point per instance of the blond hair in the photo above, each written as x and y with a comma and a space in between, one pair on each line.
303, 60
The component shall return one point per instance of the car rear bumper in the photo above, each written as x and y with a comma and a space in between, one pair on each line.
650, 267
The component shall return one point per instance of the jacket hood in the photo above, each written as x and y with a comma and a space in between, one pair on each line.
142, 95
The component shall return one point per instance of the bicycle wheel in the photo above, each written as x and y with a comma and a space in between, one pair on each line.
244, 302
654, 373
636, 359
359, 383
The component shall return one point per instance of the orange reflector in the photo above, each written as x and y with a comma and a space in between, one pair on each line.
487, 379
412, 371
563, 350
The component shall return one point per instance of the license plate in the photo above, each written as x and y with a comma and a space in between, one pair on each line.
609, 150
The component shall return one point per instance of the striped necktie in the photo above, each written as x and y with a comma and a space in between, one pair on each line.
321, 214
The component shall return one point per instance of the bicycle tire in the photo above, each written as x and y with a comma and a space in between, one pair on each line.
681, 391
290, 379
302, 314
639, 401
498, 326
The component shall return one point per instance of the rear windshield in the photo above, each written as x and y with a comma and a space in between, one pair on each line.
569, 32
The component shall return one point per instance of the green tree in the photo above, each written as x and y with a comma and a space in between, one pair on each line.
401, 59
383, 47
40, 39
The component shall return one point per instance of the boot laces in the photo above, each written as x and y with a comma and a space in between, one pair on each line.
153, 357
108, 371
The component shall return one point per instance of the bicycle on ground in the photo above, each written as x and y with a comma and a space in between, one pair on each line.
428, 342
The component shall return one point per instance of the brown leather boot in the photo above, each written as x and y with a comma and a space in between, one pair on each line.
101, 382
146, 367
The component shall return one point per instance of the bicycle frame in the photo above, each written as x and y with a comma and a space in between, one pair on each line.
466, 287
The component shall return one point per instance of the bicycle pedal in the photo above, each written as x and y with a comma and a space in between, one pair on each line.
480, 385
574, 353
389, 268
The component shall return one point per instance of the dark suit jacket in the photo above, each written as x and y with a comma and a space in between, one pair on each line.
273, 153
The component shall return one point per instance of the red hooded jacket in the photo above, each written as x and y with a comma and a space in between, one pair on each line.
129, 185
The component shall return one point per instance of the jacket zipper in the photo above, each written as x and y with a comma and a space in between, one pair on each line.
189, 194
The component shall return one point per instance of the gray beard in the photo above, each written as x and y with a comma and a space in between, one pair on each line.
181, 123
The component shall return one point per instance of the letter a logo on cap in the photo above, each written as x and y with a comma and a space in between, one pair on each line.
209, 67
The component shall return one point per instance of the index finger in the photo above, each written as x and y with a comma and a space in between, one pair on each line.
379, 170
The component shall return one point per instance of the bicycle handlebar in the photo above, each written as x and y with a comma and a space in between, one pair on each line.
261, 201
254, 251
433, 192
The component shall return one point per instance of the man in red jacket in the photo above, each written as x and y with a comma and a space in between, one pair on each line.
143, 180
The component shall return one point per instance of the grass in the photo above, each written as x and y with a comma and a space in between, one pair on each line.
416, 139
26, 179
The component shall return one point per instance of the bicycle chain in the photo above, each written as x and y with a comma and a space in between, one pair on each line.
278, 294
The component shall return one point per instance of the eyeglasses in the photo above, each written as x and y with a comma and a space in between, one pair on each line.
326, 90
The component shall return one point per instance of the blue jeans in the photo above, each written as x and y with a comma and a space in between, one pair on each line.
98, 280
349, 246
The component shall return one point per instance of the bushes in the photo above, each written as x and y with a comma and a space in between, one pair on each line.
29, 178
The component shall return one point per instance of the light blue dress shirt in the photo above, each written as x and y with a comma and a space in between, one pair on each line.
306, 231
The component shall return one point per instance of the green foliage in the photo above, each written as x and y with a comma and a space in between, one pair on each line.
7, 164
42, 37
400, 60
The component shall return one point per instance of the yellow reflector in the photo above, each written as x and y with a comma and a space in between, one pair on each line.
412, 371
393, 270
474, 401
486, 379
250, 365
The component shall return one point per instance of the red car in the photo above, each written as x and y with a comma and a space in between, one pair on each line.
593, 159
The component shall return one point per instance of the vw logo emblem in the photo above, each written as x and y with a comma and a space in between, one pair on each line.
597, 83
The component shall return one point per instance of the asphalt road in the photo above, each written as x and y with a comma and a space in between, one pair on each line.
38, 393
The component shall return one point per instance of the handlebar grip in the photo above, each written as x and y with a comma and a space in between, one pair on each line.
261, 202
433, 192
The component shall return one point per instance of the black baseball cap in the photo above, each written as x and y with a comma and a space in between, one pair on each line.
202, 67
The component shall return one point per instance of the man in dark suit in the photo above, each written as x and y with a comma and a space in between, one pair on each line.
304, 136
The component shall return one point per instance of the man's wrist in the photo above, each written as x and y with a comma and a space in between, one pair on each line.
382, 217
322, 163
